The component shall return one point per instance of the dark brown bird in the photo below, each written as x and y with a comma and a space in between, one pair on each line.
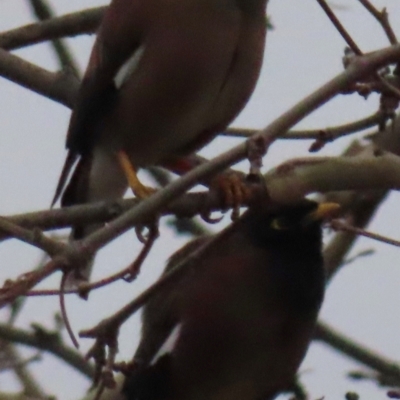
238, 325
164, 77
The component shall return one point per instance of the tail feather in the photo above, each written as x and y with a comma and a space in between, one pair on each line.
97, 177
77, 188
68, 165
76, 192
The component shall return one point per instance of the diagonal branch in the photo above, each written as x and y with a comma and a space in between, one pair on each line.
49, 343
78, 252
68, 25
43, 11
61, 87
358, 352
383, 18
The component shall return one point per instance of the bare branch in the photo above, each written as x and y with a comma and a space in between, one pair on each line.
325, 134
340, 28
343, 226
47, 342
73, 24
31, 387
383, 18
61, 87
43, 11
298, 177
34, 237
356, 351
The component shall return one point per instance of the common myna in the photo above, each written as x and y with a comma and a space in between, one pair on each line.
164, 77
238, 324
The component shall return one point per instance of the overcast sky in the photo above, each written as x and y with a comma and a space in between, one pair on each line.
303, 52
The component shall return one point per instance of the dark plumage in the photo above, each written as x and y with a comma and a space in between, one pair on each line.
243, 315
164, 77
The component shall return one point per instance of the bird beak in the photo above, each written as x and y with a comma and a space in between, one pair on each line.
324, 211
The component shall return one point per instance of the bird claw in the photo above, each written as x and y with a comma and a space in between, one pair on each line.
140, 233
234, 191
206, 217
147, 240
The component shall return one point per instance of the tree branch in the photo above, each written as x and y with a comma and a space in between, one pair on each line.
47, 342
43, 11
68, 25
356, 351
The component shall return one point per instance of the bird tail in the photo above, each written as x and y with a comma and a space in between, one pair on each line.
68, 165
76, 193
96, 177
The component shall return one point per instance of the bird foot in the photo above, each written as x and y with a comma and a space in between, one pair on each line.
234, 191
139, 190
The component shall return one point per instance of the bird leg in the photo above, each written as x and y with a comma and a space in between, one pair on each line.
139, 190
230, 184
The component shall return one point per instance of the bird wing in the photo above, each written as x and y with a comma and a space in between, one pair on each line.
118, 40
161, 315
120, 36
159, 321
150, 378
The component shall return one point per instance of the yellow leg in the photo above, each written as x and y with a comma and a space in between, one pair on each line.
139, 190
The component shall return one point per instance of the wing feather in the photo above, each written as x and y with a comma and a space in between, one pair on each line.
119, 37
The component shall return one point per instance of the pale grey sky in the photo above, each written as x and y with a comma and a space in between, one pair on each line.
303, 52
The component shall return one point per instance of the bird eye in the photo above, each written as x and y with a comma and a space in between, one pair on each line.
280, 224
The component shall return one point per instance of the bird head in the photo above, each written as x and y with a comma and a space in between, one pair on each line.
299, 222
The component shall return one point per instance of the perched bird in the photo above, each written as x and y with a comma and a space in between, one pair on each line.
164, 77
238, 324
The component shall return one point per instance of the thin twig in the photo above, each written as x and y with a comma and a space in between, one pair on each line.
361, 209
181, 225
356, 351
128, 274
61, 87
64, 313
388, 86
339, 27
383, 18
327, 134
33, 237
132, 271
359, 206
43, 11
13, 289
31, 386
47, 343
342, 226
77, 23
